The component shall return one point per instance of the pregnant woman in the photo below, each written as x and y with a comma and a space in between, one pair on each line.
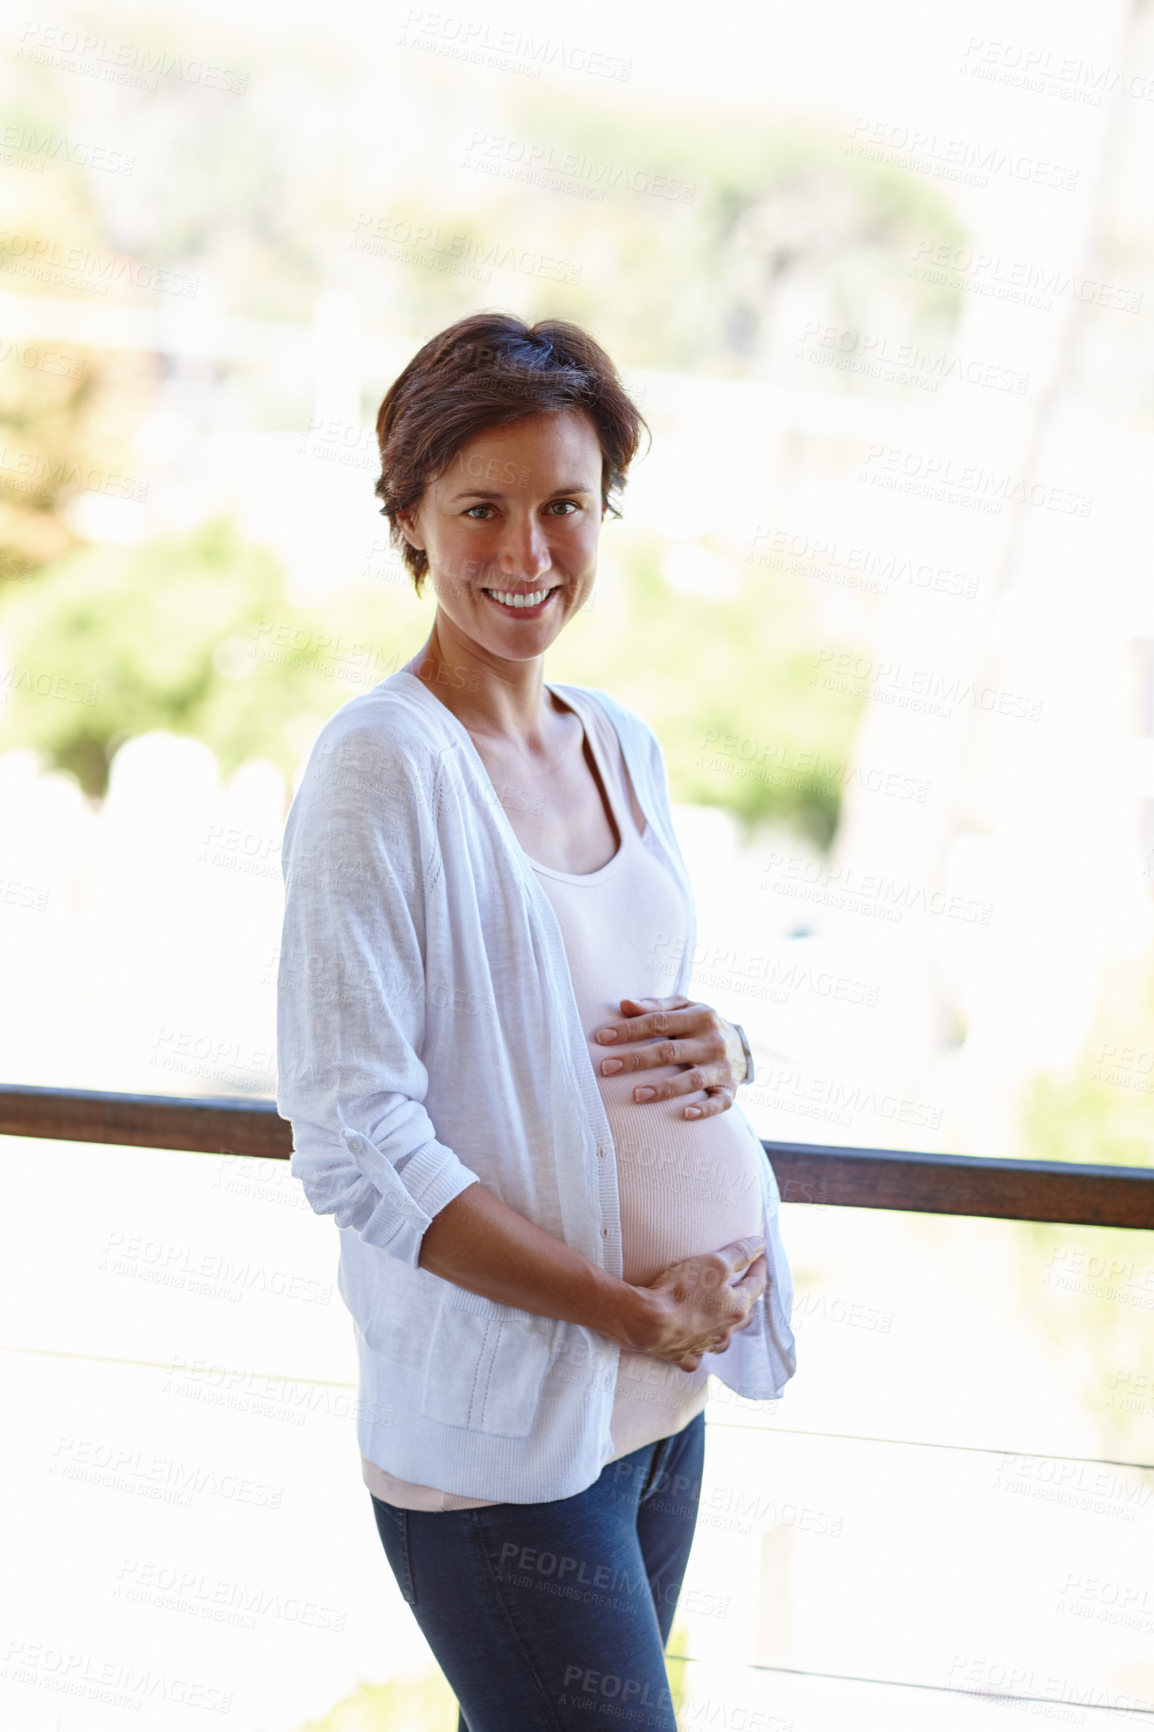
554, 1222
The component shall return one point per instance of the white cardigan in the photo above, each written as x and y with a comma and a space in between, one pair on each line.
428, 1037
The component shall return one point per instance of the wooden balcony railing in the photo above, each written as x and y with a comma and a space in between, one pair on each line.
806, 1172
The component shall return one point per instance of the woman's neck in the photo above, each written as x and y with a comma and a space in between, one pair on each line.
497, 700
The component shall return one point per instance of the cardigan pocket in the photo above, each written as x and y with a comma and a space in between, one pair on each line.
486, 1365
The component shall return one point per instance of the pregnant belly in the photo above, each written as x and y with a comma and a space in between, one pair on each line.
686, 1185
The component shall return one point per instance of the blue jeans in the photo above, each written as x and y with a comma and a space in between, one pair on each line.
546, 1617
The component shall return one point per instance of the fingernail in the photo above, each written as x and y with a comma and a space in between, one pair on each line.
605, 1035
693, 1112
610, 1066
644, 1094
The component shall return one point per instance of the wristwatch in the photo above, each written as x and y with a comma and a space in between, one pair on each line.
742, 1037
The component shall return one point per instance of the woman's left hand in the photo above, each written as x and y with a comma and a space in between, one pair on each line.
661, 1031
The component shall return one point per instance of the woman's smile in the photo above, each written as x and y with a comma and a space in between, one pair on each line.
522, 604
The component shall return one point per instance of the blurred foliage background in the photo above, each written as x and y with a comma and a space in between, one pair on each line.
259, 214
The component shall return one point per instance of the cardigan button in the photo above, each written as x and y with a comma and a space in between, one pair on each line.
604, 1232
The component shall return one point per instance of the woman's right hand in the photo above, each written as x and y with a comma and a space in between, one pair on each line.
695, 1306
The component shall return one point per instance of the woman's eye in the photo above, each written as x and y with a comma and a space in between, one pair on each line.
557, 508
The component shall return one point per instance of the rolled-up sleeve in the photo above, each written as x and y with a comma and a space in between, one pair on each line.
351, 1000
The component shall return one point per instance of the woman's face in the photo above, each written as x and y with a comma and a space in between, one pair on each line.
516, 515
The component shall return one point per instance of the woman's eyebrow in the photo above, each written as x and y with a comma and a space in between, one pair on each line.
496, 493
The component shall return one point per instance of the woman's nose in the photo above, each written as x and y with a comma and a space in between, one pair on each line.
524, 550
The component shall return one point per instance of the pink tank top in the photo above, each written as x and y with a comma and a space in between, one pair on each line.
685, 1186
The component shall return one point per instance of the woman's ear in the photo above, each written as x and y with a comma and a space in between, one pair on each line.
409, 530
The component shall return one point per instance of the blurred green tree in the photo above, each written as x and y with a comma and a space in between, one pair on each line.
727, 682
192, 634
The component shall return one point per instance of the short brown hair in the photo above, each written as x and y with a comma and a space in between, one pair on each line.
486, 371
